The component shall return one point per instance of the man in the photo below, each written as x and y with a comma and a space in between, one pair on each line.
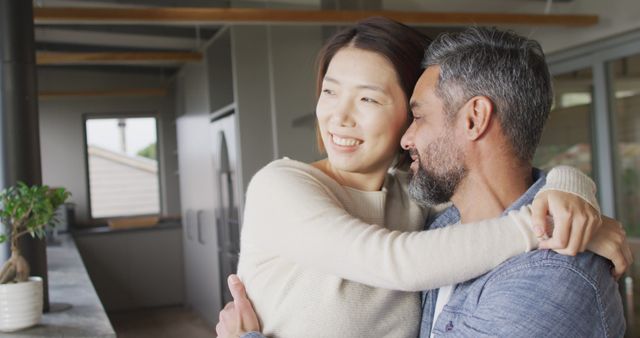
479, 109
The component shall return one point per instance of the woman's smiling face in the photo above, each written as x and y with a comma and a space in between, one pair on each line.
361, 111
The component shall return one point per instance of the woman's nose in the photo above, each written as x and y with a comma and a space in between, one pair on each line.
343, 114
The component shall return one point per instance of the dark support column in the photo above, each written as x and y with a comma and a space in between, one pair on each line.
19, 132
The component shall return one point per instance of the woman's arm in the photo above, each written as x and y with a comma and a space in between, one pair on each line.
290, 214
579, 187
608, 239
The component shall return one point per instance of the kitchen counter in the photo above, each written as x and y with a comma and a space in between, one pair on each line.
76, 310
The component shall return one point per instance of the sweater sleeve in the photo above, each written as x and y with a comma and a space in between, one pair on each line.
290, 214
571, 180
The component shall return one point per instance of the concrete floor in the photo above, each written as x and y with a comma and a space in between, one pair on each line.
167, 322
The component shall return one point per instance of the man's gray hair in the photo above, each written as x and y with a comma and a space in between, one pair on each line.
507, 68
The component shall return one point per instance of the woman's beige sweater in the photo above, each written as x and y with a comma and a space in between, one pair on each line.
323, 260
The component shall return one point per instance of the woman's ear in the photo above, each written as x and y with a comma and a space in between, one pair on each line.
478, 116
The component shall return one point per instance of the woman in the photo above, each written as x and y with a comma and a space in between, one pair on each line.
319, 254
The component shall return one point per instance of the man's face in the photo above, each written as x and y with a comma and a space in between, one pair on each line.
433, 141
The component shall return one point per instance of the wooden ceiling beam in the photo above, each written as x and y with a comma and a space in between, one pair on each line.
190, 16
63, 58
126, 92
112, 39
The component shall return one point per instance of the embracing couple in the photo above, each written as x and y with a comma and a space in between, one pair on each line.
362, 244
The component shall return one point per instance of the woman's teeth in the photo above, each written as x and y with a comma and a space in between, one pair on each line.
346, 142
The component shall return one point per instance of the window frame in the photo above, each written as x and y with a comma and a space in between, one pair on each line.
598, 56
85, 146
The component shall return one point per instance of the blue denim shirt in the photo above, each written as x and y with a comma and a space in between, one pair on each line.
536, 294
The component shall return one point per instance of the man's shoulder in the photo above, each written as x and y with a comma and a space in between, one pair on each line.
587, 265
585, 273
581, 288
543, 291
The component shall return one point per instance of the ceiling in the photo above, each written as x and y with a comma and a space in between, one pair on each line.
146, 39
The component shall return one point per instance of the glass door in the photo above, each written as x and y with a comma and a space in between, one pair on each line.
625, 96
567, 135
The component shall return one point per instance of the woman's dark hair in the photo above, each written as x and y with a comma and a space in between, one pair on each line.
402, 45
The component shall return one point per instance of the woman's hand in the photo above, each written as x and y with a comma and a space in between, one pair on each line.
576, 226
572, 224
611, 242
237, 317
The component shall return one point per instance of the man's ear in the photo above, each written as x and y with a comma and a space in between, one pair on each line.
478, 116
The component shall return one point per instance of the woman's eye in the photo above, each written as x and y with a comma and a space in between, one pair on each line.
328, 91
369, 100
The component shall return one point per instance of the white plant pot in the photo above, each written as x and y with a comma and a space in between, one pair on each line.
20, 304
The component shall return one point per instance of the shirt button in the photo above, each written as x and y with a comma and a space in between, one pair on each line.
449, 326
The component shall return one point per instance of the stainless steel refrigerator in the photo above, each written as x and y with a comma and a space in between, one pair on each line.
211, 201
225, 155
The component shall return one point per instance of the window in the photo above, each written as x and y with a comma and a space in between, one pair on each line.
626, 83
625, 73
567, 135
609, 72
122, 166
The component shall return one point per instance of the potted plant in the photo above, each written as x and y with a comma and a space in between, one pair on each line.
24, 211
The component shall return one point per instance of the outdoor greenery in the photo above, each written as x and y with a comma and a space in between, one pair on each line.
26, 210
148, 151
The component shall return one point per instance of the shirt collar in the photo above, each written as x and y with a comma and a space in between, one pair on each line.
451, 215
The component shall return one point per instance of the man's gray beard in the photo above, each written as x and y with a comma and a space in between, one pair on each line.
429, 188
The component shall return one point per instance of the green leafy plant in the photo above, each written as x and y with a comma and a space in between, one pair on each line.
26, 210
148, 151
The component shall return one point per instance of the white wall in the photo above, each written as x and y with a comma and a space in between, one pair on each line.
61, 129
293, 52
253, 99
